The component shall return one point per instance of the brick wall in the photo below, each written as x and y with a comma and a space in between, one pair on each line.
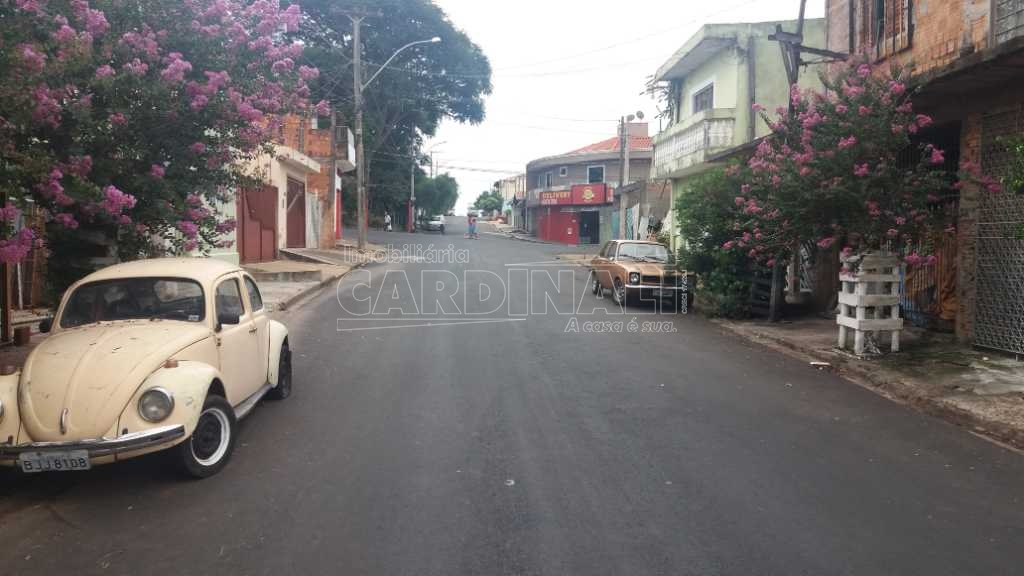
942, 30
967, 225
297, 132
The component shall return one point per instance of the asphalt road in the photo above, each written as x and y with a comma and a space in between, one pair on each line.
510, 446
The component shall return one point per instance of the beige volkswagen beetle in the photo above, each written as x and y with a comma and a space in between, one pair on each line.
145, 356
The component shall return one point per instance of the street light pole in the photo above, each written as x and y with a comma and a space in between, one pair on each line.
357, 89
412, 194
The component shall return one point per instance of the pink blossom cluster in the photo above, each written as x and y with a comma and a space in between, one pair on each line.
9, 212
47, 110
115, 202
31, 6
66, 220
226, 226
176, 68
33, 61
79, 166
188, 228
915, 259
18, 246
142, 43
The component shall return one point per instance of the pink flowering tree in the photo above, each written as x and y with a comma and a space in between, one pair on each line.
843, 168
133, 119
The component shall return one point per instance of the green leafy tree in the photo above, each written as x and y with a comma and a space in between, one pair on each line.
437, 195
489, 201
407, 102
704, 214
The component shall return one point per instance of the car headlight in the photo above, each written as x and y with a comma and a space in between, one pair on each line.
634, 277
155, 405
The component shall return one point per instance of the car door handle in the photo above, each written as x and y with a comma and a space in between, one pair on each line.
252, 330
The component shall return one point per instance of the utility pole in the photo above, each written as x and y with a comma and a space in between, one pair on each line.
412, 193
792, 46
357, 92
332, 178
622, 152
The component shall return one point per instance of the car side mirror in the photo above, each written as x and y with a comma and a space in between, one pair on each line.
46, 324
227, 318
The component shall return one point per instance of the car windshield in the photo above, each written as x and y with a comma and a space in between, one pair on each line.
134, 298
645, 252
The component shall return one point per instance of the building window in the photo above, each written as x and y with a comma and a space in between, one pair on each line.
547, 179
563, 172
704, 99
884, 26
595, 174
540, 180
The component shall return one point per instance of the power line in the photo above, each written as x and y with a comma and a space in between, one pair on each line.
486, 170
631, 40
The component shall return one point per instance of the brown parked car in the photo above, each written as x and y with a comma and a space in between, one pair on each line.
639, 269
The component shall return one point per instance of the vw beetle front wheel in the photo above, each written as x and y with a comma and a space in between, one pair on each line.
208, 450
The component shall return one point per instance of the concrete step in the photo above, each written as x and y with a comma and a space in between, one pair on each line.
298, 255
286, 271
287, 276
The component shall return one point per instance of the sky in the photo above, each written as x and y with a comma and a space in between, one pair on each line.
565, 71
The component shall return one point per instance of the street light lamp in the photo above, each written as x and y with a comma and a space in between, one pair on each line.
358, 87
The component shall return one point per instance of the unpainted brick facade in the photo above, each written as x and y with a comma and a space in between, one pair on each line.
933, 38
299, 133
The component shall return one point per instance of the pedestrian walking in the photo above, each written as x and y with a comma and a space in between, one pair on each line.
387, 221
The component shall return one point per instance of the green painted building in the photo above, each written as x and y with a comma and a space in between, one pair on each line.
713, 81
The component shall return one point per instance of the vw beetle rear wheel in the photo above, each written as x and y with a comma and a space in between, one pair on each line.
208, 450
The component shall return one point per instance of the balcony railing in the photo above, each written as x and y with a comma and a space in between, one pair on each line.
1009, 20
690, 143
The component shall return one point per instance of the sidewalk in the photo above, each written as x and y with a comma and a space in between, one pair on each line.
284, 282
981, 391
509, 231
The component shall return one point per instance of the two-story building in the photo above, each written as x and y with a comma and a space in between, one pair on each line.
571, 196
513, 196
713, 82
968, 57
291, 207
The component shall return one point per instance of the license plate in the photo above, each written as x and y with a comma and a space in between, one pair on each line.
663, 292
70, 461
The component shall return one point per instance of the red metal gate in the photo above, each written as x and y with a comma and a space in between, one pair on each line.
296, 214
257, 225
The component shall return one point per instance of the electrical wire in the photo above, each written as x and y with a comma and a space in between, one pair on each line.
634, 40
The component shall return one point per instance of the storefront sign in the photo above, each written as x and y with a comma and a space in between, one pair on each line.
555, 197
584, 194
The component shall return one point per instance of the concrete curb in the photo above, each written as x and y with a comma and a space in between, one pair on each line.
292, 300
887, 383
